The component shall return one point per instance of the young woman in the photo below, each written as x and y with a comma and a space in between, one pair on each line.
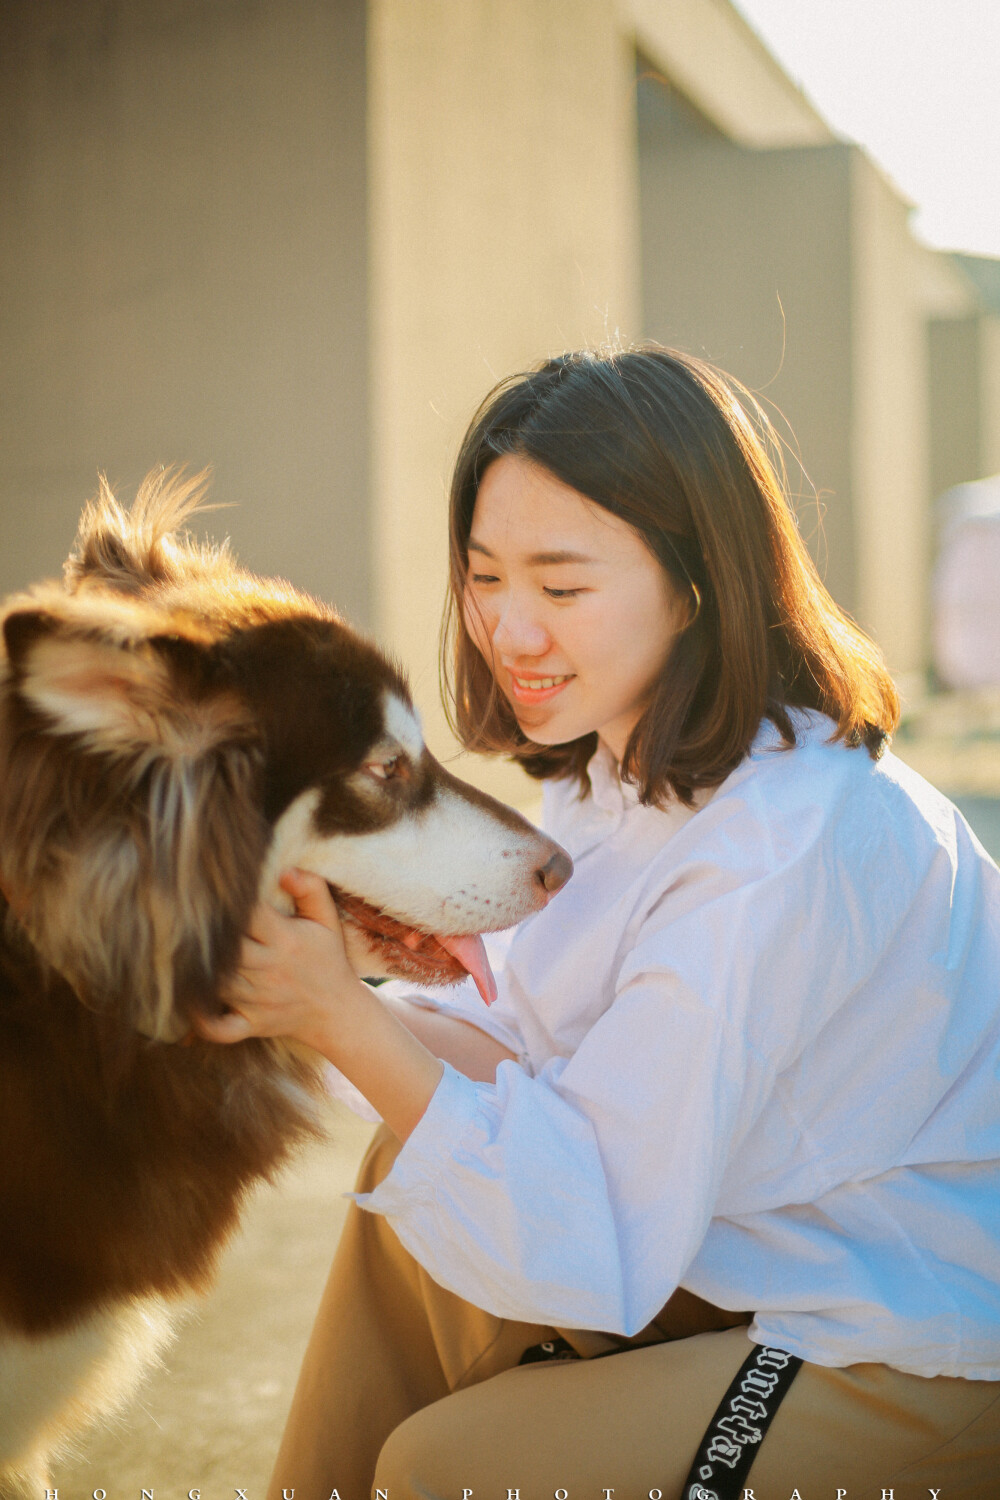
734, 1117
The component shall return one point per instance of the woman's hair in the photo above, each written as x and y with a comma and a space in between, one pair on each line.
680, 453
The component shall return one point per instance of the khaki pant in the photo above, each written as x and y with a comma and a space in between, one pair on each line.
408, 1388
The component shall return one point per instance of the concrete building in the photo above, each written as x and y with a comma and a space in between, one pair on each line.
300, 241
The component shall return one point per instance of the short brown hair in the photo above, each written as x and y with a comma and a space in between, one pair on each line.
683, 455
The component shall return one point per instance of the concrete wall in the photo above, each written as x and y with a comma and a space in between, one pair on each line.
502, 229
300, 241
746, 262
790, 269
185, 277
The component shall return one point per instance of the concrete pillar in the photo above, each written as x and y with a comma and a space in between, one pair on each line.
890, 448
990, 396
955, 416
503, 229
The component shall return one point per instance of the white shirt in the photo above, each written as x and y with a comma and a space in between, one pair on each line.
759, 1053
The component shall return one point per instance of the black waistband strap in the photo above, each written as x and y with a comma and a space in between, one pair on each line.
733, 1437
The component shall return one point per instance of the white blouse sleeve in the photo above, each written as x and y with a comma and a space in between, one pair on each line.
579, 1197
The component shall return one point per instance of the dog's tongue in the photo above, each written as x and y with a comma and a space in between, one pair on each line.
471, 954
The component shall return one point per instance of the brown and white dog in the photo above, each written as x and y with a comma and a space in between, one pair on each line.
173, 733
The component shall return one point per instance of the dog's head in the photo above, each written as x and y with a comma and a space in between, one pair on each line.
174, 732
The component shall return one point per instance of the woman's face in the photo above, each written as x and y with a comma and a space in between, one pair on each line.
567, 605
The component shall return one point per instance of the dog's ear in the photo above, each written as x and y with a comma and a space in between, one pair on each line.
82, 684
123, 693
129, 811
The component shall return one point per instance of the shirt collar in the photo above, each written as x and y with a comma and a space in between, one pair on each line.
579, 821
607, 789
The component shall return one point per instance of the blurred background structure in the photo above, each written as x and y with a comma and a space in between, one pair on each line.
299, 240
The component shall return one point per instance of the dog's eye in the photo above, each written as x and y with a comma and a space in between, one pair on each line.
387, 770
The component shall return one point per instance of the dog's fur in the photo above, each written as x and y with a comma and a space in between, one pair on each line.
173, 733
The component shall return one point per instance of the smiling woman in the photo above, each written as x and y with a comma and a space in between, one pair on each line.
568, 605
733, 1116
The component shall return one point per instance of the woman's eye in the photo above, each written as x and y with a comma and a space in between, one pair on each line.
563, 593
483, 578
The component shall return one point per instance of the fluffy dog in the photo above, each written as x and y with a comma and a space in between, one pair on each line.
173, 733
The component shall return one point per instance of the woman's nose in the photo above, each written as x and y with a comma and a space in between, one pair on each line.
517, 634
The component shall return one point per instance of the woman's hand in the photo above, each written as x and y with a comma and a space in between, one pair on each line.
293, 979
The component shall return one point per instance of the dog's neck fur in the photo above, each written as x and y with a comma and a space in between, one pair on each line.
111, 1124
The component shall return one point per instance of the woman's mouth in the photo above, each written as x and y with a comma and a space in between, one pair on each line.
537, 689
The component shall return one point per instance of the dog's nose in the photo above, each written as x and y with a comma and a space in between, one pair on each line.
555, 872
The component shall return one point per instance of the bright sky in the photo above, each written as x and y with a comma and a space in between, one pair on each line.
917, 82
